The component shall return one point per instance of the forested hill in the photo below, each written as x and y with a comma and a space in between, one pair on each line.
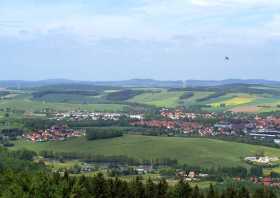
27, 181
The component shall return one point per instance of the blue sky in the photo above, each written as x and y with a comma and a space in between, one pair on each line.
160, 39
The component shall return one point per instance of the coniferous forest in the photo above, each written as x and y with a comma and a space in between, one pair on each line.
20, 177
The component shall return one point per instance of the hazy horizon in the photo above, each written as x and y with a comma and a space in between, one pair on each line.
163, 40
152, 79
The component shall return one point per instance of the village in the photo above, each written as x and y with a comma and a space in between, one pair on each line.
173, 123
55, 133
215, 124
87, 115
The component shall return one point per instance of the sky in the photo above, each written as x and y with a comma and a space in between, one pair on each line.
159, 39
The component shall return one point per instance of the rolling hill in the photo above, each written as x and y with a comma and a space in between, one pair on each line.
191, 151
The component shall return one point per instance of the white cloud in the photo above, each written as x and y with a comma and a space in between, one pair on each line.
206, 21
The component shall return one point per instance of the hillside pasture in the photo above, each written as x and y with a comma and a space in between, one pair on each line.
159, 99
196, 96
32, 106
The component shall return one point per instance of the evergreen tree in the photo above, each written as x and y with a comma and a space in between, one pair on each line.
211, 192
182, 190
196, 193
137, 189
244, 193
231, 193
259, 193
150, 189
100, 187
269, 193
78, 191
162, 189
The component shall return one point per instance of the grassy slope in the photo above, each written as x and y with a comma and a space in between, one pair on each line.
193, 151
28, 105
197, 95
160, 99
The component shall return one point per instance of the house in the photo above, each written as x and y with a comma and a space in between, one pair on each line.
267, 181
191, 174
223, 126
140, 171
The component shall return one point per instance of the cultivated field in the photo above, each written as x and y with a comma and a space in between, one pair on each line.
31, 105
235, 98
159, 99
238, 100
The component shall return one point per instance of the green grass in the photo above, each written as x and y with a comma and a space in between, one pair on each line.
197, 95
159, 99
192, 151
30, 105
60, 165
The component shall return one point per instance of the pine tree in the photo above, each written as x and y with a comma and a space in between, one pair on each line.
137, 189
259, 193
196, 193
100, 187
162, 189
243, 193
182, 190
78, 191
150, 189
211, 192
269, 193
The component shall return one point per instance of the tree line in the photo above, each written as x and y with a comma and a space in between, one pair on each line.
121, 159
42, 185
102, 133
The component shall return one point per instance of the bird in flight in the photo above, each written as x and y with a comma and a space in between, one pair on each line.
227, 58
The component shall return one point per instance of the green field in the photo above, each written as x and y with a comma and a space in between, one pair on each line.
159, 99
192, 151
30, 105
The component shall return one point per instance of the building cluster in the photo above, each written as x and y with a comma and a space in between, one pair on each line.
179, 114
55, 133
85, 115
267, 181
264, 160
262, 128
191, 175
185, 127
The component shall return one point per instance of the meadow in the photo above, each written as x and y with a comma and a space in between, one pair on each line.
196, 96
29, 105
159, 99
192, 151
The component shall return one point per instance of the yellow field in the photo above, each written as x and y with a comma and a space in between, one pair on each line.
247, 109
238, 100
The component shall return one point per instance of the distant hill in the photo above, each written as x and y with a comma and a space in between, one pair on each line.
142, 83
136, 83
195, 83
25, 84
126, 83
